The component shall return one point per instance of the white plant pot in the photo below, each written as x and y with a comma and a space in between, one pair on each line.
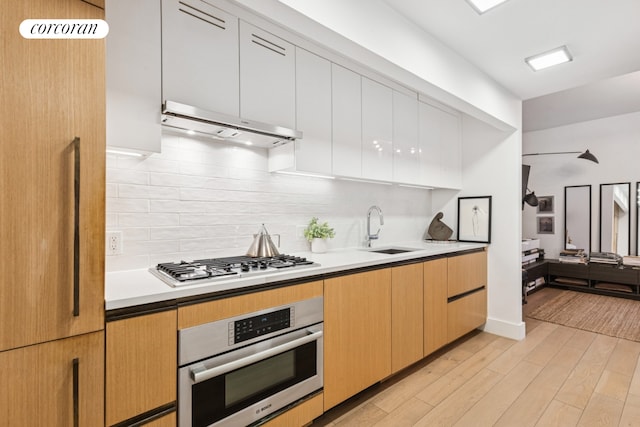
318, 245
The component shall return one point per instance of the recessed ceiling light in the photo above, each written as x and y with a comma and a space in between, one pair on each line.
481, 6
553, 57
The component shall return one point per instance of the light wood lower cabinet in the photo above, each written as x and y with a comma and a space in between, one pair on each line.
406, 316
467, 293
466, 314
141, 365
168, 420
299, 415
435, 305
357, 333
42, 384
466, 273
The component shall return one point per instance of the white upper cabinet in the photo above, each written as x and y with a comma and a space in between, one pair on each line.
377, 131
313, 112
133, 75
267, 77
200, 56
406, 147
440, 145
346, 95
312, 153
451, 140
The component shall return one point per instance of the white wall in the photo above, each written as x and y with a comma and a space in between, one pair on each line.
200, 198
491, 168
615, 141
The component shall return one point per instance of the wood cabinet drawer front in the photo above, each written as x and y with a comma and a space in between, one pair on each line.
168, 420
579, 271
466, 273
211, 311
613, 274
299, 415
466, 314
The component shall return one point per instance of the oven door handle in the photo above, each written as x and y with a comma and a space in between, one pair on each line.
199, 376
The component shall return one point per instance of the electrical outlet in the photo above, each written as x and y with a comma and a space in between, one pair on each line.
114, 242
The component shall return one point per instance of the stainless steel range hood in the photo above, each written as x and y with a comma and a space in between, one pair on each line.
225, 128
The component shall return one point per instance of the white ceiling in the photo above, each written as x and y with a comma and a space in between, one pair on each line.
603, 37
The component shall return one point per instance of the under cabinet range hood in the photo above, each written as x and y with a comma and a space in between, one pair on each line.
224, 127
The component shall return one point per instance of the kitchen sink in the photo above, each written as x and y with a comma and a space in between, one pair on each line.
390, 251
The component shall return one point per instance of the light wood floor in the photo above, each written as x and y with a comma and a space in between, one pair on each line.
556, 376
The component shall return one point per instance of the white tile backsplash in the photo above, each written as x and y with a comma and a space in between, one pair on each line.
200, 198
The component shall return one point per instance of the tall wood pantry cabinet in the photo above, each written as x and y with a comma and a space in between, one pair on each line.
52, 176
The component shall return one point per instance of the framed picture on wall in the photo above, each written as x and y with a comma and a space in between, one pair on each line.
546, 224
545, 204
474, 219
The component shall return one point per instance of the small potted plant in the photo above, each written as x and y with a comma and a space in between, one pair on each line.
318, 234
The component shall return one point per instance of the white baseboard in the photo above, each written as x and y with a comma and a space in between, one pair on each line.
514, 331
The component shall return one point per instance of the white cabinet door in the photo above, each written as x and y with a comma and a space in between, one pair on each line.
313, 113
346, 93
451, 137
133, 75
267, 77
440, 145
377, 131
406, 147
429, 150
200, 56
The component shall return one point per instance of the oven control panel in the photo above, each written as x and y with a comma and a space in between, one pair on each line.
252, 327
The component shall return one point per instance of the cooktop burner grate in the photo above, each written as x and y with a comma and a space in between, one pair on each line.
202, 270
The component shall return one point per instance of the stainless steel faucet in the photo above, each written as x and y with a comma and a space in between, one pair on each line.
370, 236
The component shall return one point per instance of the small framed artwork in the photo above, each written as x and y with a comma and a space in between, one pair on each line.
474, 219
545, 204
546, 225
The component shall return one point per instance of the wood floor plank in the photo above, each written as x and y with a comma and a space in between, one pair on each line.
582, 339
364, 416
578, 388
447, 384
406, 415
517, 352
634, 388
624, 357
559, 414
397, 394
459, 402
547, 349
601, 411
613, 384
534, 400
491, 407
631, 412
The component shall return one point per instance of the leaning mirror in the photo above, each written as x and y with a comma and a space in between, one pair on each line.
577, 217
615, 218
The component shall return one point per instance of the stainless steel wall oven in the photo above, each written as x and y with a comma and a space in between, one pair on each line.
236, 371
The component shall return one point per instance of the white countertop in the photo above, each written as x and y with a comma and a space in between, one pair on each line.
135, 287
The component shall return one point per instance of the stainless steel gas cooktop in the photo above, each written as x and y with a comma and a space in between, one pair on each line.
207, 270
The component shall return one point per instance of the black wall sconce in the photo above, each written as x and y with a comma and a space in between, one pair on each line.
586, 155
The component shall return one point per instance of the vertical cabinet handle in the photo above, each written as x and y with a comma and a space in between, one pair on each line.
76, 392
76, 226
